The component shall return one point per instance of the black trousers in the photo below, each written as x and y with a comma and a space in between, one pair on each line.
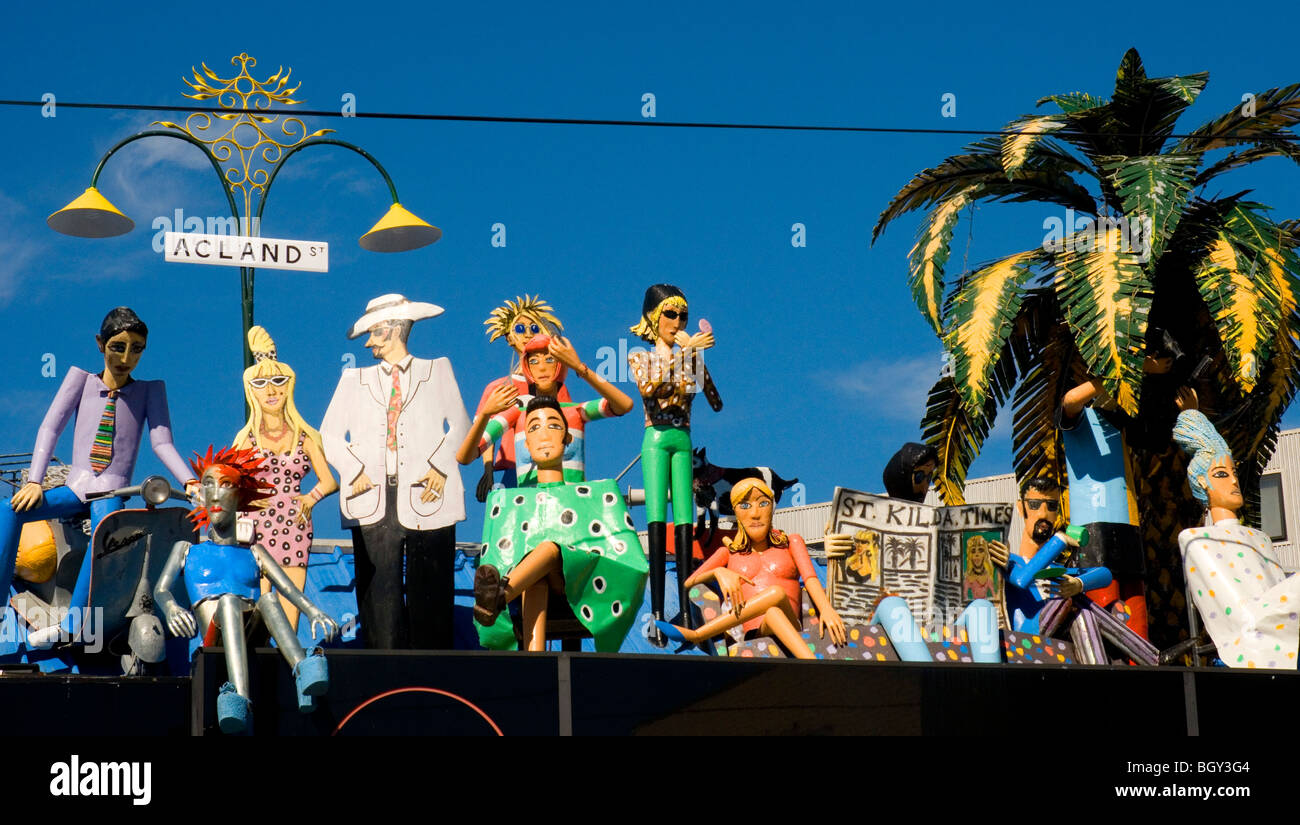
411, 611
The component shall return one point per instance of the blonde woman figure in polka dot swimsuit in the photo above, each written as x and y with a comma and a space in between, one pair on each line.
292, 450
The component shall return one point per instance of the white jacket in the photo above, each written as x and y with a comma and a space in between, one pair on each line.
430, 428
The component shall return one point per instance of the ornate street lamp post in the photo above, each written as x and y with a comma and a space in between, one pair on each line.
247, 149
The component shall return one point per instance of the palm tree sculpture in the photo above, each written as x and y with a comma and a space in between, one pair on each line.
1159, 251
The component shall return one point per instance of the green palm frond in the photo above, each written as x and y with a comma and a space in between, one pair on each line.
1044, 176
1152, 190
1074, 102
981, 315
1246, 281
1146, 109
1274, 111
1021, 136
1282, 146
1252, 428
1037, 448
929, 255
1105, 295
957, 433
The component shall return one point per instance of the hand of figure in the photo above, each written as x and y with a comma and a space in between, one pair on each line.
181, 622
501, 399
329, 628
29, 497
1067, 587
729, 581
999, 553
832, 620
681, 339
838, 545
1067, 538
361, 484
484, 484
1186, 399
700, 340
564, 352
305, 504
433, 482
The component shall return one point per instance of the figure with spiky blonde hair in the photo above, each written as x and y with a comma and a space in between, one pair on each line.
292, 450
518, 321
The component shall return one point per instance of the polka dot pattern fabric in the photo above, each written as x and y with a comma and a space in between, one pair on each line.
604, 568
277, 528
1249, 605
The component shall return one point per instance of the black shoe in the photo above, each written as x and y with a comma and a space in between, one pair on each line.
489, 594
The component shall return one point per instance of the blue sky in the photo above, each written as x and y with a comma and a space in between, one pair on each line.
822, 359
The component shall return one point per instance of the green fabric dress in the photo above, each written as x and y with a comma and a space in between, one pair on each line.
604, 567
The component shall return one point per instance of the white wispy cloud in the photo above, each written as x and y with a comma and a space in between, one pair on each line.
18, 248
892, 389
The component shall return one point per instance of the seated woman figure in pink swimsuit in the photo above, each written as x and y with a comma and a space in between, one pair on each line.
759, 572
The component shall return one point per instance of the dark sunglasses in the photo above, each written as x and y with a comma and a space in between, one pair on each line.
1035, 503
921, 475
259, 383
674, 314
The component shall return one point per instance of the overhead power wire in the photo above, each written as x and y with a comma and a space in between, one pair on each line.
568, 121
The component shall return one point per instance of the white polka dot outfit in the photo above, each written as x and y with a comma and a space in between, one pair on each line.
1250, 607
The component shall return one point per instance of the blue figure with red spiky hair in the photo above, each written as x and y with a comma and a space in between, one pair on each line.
222, 578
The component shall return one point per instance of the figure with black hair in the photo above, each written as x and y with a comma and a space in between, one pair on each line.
546, 361
556, 537
518, 322
112, 411
668, 376
910, 472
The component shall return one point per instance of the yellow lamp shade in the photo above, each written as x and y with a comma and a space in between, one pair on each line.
38, 554
91, 215
399, 231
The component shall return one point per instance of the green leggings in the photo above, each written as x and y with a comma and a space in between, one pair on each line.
663, 450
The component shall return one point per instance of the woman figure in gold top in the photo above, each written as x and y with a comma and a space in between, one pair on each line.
668, 377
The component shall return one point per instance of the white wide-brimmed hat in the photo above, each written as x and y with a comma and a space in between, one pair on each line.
392, 307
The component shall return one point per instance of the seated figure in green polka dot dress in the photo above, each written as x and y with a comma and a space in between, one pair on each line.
577, 539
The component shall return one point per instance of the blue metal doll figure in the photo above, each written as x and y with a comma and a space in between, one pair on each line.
223, 581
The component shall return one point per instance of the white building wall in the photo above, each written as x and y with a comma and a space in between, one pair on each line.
1286, 460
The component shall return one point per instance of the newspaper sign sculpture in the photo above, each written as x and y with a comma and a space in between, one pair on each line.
936, 558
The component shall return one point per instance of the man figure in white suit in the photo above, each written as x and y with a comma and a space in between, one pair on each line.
391, 431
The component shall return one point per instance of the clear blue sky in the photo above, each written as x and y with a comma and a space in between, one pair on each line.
822, 358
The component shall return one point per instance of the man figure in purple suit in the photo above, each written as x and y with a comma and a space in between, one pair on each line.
112, 410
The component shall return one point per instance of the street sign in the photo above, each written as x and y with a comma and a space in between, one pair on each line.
243, 250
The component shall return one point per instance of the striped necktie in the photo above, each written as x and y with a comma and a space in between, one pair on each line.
101, 452
394, 407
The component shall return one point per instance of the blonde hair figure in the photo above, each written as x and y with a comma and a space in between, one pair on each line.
292, 449
518, 321
668, 376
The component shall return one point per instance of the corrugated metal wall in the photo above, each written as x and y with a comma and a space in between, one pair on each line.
1286, 460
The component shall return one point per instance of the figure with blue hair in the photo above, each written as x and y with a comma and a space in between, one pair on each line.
1247, 601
